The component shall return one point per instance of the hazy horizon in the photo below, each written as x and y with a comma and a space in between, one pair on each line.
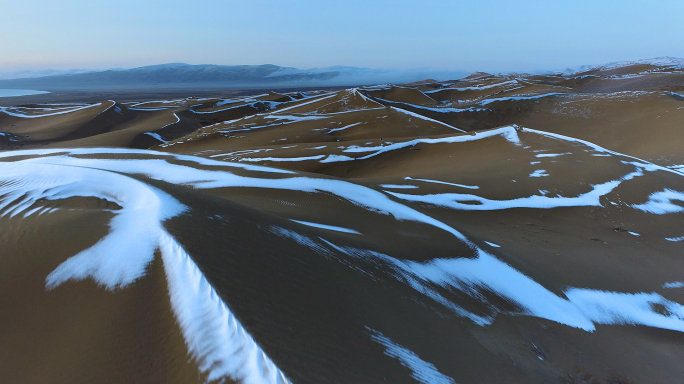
488, 36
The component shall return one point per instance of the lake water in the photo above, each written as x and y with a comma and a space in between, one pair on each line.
19, 92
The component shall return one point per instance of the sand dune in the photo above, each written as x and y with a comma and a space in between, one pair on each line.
498, 228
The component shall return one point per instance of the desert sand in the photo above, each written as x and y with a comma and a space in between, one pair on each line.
503, 228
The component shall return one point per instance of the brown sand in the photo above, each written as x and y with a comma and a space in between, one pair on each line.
313, 311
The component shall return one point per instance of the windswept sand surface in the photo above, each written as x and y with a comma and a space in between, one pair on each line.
495, 229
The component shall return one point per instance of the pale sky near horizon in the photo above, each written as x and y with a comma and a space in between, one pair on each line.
485, 35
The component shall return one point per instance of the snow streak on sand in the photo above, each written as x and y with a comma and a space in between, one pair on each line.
603, 151
15, 113
328, 227
161, 169
275, 159
156, 136
470, 202
115, 261
398, 186
507, 133
476, 88
325, 96
336, 158
517, 98
661, 202
268, 105
243, 99
422, 371
149, 109
293, 118
539, 173
213, 335
552, 154
444, 182
484, 274
343, 128
215, 338
169, 124
425, 118
111, 151
108, 108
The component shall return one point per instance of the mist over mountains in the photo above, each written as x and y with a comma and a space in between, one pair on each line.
180, 75
210, 76
33, 73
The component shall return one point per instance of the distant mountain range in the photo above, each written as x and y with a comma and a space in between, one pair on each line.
32, 73
179, 75
663, 61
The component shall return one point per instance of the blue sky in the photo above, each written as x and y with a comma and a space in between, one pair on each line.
483, 35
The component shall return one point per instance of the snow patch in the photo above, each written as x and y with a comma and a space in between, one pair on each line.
422, 371
552, 154
444, 182
517, 98
509, 133
343, 128
336, 158
539, 173
326, 96
398, 186
470, 202
328, 227
17, 114
214, 337
582, 309
660, 203
281, 159
425, 118
156, 136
